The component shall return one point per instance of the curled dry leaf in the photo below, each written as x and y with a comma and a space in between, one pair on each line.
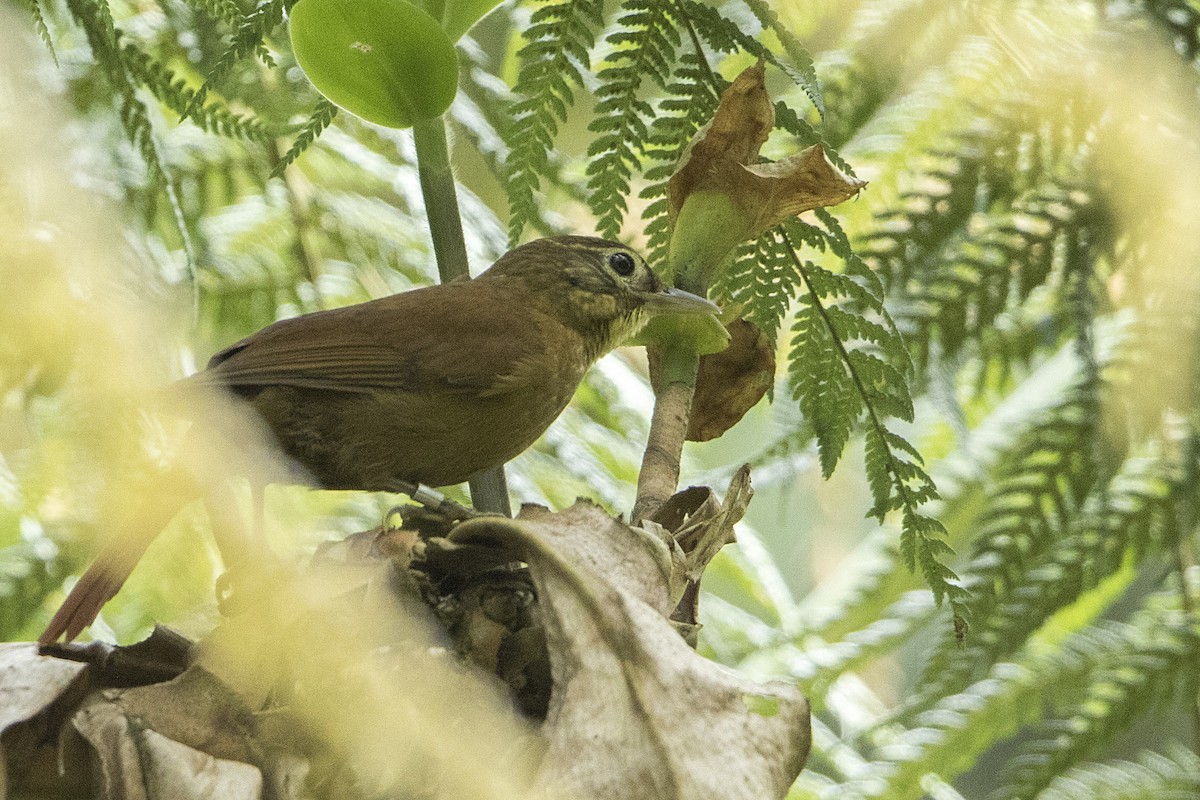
728, 383
720, 195
702, 539
36, 695
731, 382
635, 712
633, 560
702, 525
165, 654
731, 139
188, 738
571, 610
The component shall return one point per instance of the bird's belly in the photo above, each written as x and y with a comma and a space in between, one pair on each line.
371, 440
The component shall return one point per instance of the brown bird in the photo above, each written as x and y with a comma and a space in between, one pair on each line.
428, 386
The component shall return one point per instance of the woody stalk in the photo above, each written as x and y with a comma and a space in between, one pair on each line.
721, 195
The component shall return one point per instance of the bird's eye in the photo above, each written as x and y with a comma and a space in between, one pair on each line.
622, 264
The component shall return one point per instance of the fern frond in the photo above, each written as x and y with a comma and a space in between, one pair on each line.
949, 737
39, 25
1154, 776
553, 58
821, 381
1159, 650
971, 168
172, 91
319, 120
817, 664
1039, 488
762, 279
997, 266
691, 100
800, 66
727, 37
225, 10
844, 366
104, 39
248, 39
1032, 561
643, 47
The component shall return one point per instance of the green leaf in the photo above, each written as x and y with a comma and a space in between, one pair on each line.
557, 42
386, 61
457, 16
706, 333
643, 48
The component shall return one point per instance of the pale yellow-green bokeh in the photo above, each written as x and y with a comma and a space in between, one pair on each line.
85, 353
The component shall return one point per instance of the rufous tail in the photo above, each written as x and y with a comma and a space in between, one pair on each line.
120, 555
95, 588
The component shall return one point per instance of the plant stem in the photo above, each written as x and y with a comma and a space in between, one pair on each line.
489, 491
659, 475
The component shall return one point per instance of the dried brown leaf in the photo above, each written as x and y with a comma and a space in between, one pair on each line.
635, 712
733, 136
721, 195
731, 382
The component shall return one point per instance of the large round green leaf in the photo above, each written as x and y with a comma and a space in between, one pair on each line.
385, 60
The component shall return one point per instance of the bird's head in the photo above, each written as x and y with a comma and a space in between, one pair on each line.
601, 288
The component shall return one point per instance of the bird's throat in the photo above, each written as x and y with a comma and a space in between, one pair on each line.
612, 333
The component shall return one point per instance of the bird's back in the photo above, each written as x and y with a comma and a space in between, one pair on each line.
427, 386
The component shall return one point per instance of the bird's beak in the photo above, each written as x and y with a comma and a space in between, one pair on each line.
677, 301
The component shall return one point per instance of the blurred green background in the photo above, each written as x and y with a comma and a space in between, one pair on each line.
1034, 189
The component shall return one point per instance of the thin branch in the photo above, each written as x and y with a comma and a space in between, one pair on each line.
659, 474
489, 491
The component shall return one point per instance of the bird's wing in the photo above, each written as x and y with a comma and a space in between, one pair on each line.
441, 338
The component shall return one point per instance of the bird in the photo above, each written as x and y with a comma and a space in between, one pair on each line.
428, 386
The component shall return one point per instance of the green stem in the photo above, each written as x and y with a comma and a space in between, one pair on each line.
678, 366
488, 489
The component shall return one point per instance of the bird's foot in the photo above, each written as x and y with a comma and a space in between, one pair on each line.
433, 500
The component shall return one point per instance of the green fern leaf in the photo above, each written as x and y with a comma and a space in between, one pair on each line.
1030, 560
728, 37
800, 65
821, 384
104, 39
690, 101
318, 121
225, 10
39, 24
1164, 654
247, 40
1174, 774
837, 381
644, 47
555, 51
214, 117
